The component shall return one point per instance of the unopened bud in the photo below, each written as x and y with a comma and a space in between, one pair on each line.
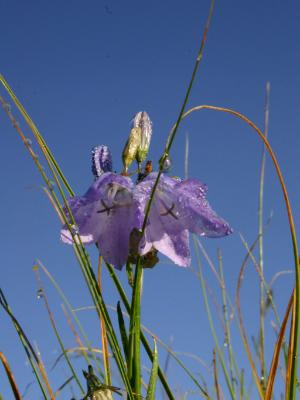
131, 147
101, 160
143, 121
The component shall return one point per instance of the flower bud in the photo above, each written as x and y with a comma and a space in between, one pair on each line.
143, 121
101, 160
131, 147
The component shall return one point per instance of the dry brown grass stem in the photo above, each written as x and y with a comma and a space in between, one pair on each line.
73, 330
10, 377
242, 327
216, 381
277, 349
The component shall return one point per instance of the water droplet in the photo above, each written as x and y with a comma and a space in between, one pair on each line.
74, 229
39, 294
29, 141
167, 165
225, 343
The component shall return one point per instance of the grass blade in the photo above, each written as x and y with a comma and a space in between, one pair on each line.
10, 377
154, 373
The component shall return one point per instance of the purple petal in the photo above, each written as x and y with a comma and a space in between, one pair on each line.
113, 241
196, 212
87, 221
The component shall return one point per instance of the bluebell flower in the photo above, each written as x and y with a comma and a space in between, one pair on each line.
112, 211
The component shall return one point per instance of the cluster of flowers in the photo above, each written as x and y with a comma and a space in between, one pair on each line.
114, 207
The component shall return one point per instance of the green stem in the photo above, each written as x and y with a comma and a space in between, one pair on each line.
226, 321
135, 330
260, 233
210, 320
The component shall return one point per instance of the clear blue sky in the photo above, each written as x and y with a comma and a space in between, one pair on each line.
82, 70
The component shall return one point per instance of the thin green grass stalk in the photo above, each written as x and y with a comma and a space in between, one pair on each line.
30, 353
228, 300
186, 156
44, 297
134, 367
296, 327
260, 233
103, 332
123, 332
74, 315
242, 385
212, 328
154, 373
226, 321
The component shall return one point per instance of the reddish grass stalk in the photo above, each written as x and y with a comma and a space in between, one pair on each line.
10, 377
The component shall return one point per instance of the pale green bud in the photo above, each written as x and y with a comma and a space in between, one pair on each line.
132, 145
143, 121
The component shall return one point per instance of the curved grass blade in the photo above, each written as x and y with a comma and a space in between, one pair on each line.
10, 377
296, 327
